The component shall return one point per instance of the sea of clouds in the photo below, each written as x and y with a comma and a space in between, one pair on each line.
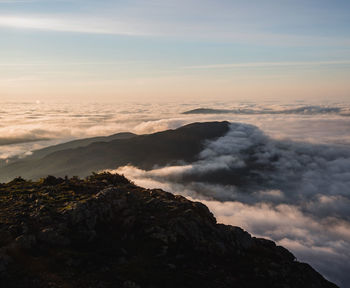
297, 194
25, 127
283, 176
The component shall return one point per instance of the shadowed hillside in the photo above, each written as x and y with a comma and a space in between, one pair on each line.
79, 143
144, 151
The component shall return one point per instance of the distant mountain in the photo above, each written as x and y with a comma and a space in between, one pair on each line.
104, 232
208, 111
303, 110
82, 157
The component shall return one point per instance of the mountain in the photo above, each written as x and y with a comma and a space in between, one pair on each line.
144, 151
79, 143
303, 110
40, 153
208, 111
103, 231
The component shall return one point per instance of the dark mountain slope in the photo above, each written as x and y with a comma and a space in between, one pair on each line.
143, 151
79, 143
106, 232
40, 153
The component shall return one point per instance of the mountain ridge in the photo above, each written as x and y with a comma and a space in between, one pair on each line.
104, 231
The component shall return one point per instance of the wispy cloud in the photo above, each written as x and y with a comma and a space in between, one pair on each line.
269, 64
71, 24
141, 25
17, 1
30, 1
68, 63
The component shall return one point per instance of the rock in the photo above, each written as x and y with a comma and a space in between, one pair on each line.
106, 232
26, 241
51, 180
5, 260
5, 238
24, 227
14, 229
130, 284
50, 236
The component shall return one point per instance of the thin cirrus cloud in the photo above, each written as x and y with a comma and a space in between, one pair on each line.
269, 64
144, 26
231, 21
70, 24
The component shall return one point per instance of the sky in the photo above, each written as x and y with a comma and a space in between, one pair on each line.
154, 50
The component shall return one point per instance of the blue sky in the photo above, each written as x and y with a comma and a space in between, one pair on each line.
138, 49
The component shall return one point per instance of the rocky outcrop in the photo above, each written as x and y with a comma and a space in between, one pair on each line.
104, 231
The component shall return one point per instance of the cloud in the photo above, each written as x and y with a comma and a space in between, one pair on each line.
30, 137
292, 192
18, 1
269, 64
321, 240
160, 125
246, 156
88, 24
324, 244
63, 122
28, 126
183, 19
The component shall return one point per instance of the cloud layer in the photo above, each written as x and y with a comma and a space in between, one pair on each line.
54, 123
292, 192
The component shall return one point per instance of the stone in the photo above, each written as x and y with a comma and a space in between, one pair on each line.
26, 241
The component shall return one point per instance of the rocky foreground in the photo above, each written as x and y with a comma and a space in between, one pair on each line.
104, 231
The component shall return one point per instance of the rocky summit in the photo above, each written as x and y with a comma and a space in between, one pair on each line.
104, 231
